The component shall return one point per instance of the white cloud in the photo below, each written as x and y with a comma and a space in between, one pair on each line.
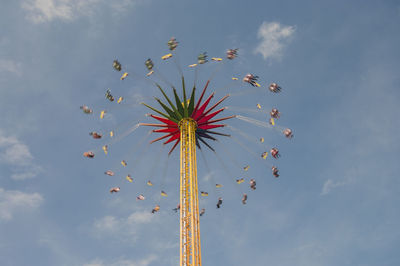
95, 262
27, 172
47, 10
16, 154
40, 11
119, 227
122, 5
123, 262
12, 201
107, 223
14, 151
139, 217
10, 66
274, 37
329, 185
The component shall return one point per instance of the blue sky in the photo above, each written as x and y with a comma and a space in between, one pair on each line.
336, 201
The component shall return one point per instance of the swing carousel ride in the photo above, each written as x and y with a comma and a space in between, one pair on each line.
194, 125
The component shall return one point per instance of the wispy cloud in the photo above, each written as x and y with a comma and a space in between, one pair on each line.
274, 37
107, 224
207, 177
14, 152
119, 227
47, 10
330, 184
123, 262
12, 201
40, 11
122, 5
347, 177
139, 217
17, 154
10, 66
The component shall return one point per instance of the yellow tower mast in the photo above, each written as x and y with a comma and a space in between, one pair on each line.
187, 122
190, 248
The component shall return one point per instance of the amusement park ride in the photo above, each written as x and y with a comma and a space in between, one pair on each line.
190, 123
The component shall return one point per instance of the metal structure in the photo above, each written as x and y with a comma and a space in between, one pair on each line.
190, 246
188, 122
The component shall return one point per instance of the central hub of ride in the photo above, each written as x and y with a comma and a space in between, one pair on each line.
186, 121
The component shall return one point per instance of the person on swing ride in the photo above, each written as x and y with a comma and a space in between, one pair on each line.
275, 113
231, 53
288, 133
202, 58
240, 180
219, 203
109, 172
252, 80
275, 153
253, 184
172, 43
109, 96
149, 64
95, 135
244, 198
272, 121
178, 207
156, 209
88, 154
117, 65
275, 171
140, 197
86, 109
202, 212
264, 155
115, 189
273, 87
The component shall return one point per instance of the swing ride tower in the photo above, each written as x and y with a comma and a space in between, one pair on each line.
190, 246
188, 122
